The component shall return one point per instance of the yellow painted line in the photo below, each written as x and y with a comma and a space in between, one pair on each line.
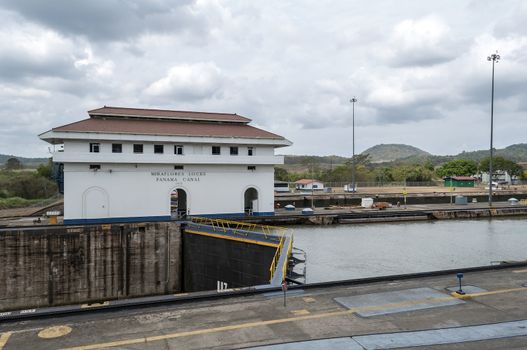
309, 299
281, 320
519, 271
54, 332
481, 294
239, 239
4, 338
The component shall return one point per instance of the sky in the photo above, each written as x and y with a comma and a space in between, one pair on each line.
418, 69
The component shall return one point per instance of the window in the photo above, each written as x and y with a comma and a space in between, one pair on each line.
138, 148
250, 151
95, 166
178, 167
94, 147
251, 167
234, 151
158, 149
178, 149
216, 150
117, 148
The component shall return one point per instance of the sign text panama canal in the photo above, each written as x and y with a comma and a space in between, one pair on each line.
178, 176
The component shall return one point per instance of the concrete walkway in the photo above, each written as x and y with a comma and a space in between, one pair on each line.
420, 313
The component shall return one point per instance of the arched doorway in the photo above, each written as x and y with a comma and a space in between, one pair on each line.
95, 203
250, 201
178, 204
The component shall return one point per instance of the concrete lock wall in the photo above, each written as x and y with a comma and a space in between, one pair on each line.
212, 263
81, 264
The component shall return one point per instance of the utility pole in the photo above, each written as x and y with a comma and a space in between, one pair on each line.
494, 58
353, 100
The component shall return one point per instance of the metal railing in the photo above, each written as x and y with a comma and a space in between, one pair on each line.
276, 257
243, 228
237, 227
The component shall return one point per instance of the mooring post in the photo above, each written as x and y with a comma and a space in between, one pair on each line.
284, 289
459, 277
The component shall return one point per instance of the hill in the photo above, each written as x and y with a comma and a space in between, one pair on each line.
26, 162
398, 154
390, 152
516, 152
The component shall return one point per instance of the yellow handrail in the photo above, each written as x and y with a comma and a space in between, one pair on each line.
276, 257
238, 227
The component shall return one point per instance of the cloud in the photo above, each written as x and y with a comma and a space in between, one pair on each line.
292, 69
28, 50
116, 20
420, 42
188, 82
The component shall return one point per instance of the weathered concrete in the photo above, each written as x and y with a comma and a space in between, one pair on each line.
82, 264
241, 322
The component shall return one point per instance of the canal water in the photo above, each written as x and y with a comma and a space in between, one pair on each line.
351, 251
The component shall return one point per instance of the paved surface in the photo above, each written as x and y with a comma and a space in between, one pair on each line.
314, 314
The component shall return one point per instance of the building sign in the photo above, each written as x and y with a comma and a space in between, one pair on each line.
178, 176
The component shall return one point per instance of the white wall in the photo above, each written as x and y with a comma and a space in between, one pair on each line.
136, 191
319, 186
78, 151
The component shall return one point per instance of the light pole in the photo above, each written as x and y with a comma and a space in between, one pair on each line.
353, 100
494, 58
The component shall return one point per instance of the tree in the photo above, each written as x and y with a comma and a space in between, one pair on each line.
501, 164
281, 174
383, 175
459, 167
46, 170
412, 173
30, 186
13, 164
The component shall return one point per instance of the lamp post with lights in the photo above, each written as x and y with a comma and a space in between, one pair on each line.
494, 58
353, 100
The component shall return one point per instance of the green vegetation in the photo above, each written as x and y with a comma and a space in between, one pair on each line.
20, 188
420, 168
458, 167
27, 163
17, 202
366, 171
500, 163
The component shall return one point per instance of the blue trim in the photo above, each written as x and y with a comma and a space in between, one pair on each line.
234, 215
116, 220
264, 213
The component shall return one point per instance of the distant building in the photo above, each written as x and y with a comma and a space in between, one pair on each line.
459, 181
501, 177
309, 184
129, 165
281, 186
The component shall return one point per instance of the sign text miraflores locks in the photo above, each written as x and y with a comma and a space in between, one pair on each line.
178, 176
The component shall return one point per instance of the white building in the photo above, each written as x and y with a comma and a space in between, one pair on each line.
308, 185
127, 164
500, 176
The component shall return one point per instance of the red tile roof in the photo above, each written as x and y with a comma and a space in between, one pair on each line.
166, 114
305, 181
166, 127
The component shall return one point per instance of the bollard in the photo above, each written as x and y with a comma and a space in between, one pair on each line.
284, 288
459, 277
